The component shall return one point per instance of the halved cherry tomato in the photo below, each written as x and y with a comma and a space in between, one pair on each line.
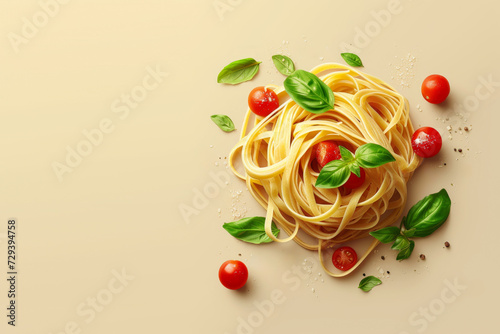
435, 88
233, 274
426, 142
263, 101
344, 258
327, 151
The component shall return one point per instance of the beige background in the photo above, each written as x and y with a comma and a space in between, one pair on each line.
118, 210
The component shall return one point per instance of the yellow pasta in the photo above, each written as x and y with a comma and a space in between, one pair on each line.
276, 153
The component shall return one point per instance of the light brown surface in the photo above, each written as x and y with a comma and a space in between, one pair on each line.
119, 208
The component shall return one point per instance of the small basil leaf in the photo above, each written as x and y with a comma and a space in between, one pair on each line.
354, 168
373, 155
309, 92
223, 122
386, 234
409, 233
333, 175
283, 64
251, 229
239, 71
406, 252
352, 59
400, 243
346, 154
368, 283
428, 214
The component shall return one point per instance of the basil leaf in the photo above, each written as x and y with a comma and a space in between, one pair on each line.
400, 243
373, 155
333, 175
409, 233
428, 214
406, 252
368, 283
239, 71
386, 234
352, 59
251, 229
309, 92
223, 122
346, 154
283, 64
354, 168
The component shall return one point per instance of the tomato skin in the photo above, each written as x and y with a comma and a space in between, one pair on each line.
263, 101
354, 182
326, 151
426, 142
435, 88
344, 258
233, 274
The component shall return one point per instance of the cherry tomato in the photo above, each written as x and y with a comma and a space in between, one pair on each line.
327, 151
233, 274
263, 101
344, 258
426, 142
435, 88
354, 182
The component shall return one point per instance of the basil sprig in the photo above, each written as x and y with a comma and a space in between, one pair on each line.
309, 92
239, 71
423, 219
223, 122
337, 172
251, 229
352, 59
368, 283
283, 64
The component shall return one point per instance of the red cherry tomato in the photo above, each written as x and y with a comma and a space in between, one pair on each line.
435, 88
426, 142
233, 274
327, 151
344, 258
354, 182
263, 101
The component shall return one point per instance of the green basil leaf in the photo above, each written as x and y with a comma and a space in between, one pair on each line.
352, 59
251, 229
346, 154
428, 214
406, 252
354, 168
373, 155
309, 92
368, 283
409, 233
401, 243
333, 175
223, 122
239, 71
284, 64
386, 234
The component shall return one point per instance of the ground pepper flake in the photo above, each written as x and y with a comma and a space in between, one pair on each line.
422, 257
382, 257
447, 244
